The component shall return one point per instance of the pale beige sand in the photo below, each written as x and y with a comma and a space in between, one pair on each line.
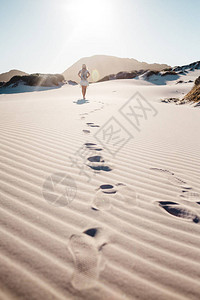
139, 249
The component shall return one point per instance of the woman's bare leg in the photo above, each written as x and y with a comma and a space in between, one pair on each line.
84, 91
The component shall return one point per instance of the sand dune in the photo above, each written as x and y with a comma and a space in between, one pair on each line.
103, 65
84, 218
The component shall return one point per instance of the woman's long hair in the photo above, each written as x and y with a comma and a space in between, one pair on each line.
83, 73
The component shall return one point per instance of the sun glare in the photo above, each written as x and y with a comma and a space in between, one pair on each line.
95, 75
89, 14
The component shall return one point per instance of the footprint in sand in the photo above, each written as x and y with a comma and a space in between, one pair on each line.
101, 239
86, 131
178, 182
101, 202
179, 211
92, 231
96, 158
108, 194
108, 188
97, 163
172, 178
162, 171
85, 249
92, 124
100, 168
190, 196
92, 146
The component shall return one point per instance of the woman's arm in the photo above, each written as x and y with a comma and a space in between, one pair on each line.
88, 74
79, 73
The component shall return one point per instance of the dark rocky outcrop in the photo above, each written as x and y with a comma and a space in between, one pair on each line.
108, 77
191, 67
150, 73
168, 73
71, 82
46, 80
123, 75
170, 100
167, 69
134, 74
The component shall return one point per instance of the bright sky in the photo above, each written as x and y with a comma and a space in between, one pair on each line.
48, 36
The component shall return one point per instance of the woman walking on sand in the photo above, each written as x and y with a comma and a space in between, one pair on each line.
84, 74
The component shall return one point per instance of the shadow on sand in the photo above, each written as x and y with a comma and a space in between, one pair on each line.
81, 101
26, 89
162, 80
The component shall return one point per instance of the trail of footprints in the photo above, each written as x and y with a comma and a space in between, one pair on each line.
187, 194
95, 162
86, 248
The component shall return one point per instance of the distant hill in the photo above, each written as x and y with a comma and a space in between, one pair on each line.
103, 65
8, 75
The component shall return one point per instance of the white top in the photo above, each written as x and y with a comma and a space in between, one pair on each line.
84, 74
